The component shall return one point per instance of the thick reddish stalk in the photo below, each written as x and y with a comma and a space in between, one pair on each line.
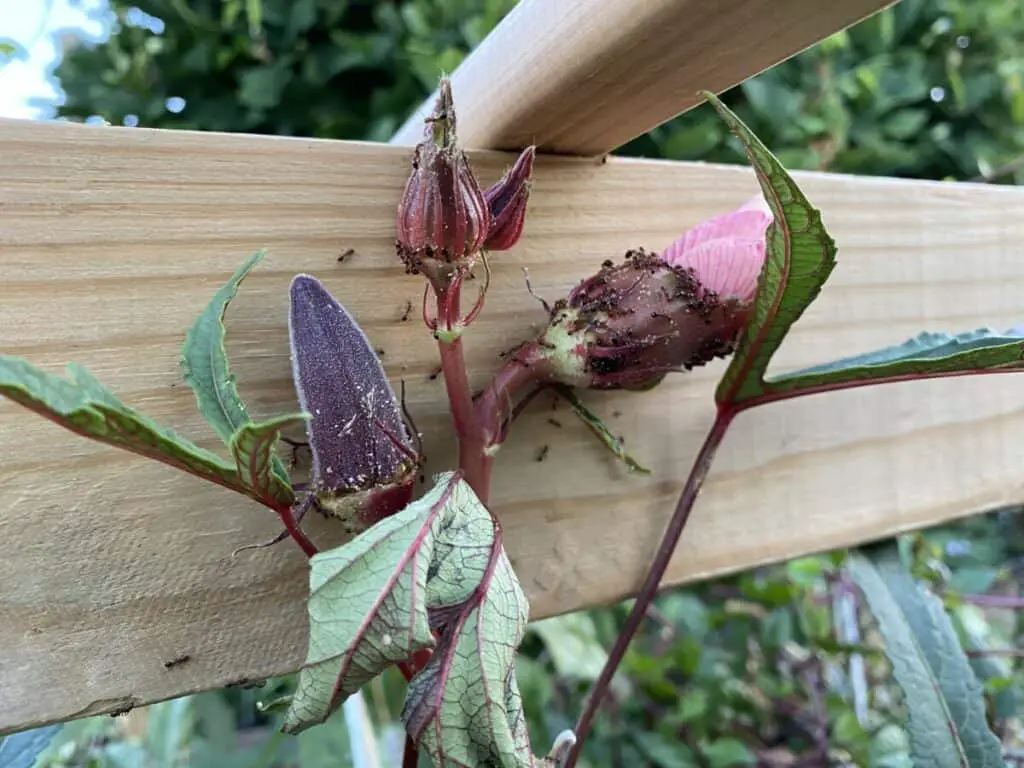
295, 530
647, 592
460, 397
411, 755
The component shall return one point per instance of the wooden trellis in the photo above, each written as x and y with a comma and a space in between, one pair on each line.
111, 240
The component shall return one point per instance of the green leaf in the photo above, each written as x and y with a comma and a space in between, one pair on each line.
571, 641
253, 449
599, 428
464, 708
204, 360
205, 367
368, 604
947, 713
929, 354
800, 255
19, 750
328, 746
83, 405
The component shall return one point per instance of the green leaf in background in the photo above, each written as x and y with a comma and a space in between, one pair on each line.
923, 355
368, 606
19, 750
572, 642
948, 726
83, 405
800, 255
599, 428
253, 449
328, 746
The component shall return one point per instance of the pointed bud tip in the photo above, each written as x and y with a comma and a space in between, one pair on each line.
507, 201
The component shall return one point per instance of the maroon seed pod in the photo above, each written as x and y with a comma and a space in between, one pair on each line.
507, 200
364, 462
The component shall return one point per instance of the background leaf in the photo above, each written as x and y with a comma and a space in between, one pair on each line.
927, 353
800, 255
948, 725
83, 405
19, 750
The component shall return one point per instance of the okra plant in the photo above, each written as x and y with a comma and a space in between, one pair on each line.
424, 583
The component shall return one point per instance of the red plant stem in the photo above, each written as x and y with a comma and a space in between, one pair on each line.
976, 653
295, 530
994, 601
647, 592
460, 398
411, 755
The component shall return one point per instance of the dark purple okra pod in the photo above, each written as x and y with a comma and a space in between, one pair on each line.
364, 461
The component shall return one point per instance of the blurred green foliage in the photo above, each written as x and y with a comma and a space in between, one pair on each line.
765, 668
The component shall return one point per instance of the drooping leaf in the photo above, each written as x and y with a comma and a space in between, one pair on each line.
464, 708
599, 428
253, 449
356, 430
83, 405
368, 605
800, 255
927, 354
947, 713
20, 750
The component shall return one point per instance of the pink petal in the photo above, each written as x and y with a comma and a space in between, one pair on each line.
730, 268
727, 251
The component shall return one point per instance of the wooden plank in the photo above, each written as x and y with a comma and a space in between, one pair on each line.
585, 76
111, 241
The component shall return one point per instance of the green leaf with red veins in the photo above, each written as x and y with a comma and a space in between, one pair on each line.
464, 708
928, 355
85, 406
253, 449
368, 605
205, 368
800, 255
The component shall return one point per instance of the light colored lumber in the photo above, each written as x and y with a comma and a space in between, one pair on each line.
112, 240
583, 77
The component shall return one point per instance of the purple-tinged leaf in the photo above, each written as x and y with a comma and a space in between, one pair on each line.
83, 405
927, 355
253, 449
356, 431
368, 605
464, 707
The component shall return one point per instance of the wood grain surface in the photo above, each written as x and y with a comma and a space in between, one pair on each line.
583, 77
112, 240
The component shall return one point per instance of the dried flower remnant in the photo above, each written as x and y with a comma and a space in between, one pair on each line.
364, 462
443, 218
630, 324
507, 201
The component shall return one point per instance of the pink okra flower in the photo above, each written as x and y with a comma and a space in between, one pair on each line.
630, 324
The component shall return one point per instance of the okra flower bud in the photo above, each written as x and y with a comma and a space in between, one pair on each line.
630, 324
443, 217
